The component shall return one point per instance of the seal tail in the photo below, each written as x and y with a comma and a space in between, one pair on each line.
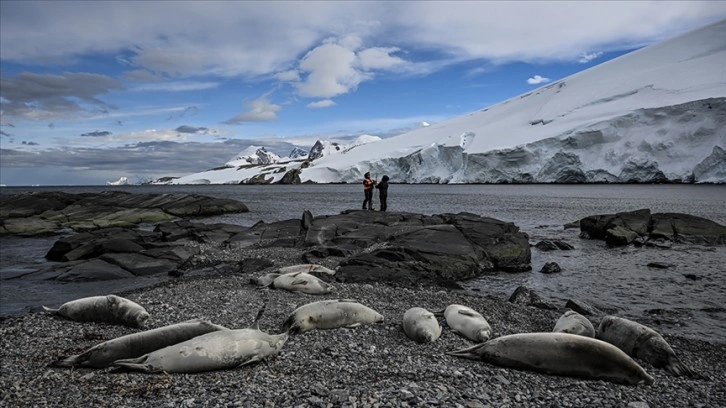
468, 352
289, 327
677, 368
49, 310
72, 361
134, 364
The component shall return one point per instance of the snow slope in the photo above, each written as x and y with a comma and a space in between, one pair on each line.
656, 114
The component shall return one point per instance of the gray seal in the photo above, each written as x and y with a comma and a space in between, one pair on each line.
302, 282
218, 350
468, 323
559, 353
330, 314
421, 325
642, 342
574, 323
104, 309
137, 344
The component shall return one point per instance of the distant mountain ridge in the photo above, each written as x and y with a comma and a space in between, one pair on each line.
654, 115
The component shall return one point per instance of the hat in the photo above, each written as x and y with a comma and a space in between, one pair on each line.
367, 175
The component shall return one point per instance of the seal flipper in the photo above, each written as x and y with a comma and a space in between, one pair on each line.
71, 361
468, 352
440, 312
135, 364
677, 368
467, 313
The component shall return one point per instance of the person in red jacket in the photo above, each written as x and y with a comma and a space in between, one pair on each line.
368, 191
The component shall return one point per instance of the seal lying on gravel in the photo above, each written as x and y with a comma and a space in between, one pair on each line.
137, 344
217, 350
467, 322
642, 342
264, 280
421, 325
302, 282
105, 309
574, 323
307, 268
559, 353
330, 314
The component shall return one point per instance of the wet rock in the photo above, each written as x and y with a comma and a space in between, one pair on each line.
550, 267
553, 245
583, 308
692, 276
659, 265
140, 265
527, 297
93, 270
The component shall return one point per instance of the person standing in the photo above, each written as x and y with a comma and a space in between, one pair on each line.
368, 191
383, 192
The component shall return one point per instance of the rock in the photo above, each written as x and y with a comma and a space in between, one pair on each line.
140, 265
551, 267
659, 265
93, 270
628, 227
527, 297
692, 276
553, 245
250, 265
583, 308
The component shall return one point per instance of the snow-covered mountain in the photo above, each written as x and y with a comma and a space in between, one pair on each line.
298, 153
253, 155
657, 114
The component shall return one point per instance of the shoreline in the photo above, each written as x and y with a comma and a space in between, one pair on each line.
367, 366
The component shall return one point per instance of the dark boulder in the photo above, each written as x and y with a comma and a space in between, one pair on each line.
550, 267
527, 297
93, 270
553, 245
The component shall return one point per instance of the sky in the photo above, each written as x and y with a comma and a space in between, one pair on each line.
94, 91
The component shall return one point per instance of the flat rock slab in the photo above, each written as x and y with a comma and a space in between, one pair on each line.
49, 212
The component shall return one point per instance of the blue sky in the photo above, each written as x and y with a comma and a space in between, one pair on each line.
92, 91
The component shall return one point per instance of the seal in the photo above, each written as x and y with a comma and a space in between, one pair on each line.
264, 280
218, 350
574, 323
420, 325
330, 314
468, 323
137, 344
302, 282
561, 354
104, 309
307, 268
643, 343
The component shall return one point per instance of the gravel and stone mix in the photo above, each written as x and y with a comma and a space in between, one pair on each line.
366, 366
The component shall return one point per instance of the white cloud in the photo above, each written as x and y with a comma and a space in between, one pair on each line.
325, 103
537, 80
330, 70
587, 57
260, 110
288, 76
380, 58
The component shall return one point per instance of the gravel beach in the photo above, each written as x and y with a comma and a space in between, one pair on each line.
366, 366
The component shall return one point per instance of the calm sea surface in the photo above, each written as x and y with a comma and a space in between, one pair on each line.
617, 280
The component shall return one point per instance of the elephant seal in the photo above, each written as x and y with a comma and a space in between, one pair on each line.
561, 354
574, 323
302, 282
642, 342
218, 350
105, 309
330, 314
421, 325
468, 323
137, 344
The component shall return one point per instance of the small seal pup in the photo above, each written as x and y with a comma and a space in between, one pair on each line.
421, 325
218, 350
468, 323
642, 342
561, 354
105, 309
302, 282
574, 323
330, 314
138, 344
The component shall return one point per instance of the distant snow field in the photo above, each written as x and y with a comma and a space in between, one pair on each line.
657, 114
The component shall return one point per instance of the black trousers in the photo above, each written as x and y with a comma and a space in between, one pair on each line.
384, 203
368, 200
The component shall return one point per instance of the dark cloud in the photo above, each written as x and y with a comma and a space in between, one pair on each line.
97, 133
191, 129
6, 134
43, 96
30, 143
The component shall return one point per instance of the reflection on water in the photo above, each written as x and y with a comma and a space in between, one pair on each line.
613, 279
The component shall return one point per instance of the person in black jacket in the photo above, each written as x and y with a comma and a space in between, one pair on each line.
382, 187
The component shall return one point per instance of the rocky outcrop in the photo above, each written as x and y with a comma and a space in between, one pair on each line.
641, 227
47, 212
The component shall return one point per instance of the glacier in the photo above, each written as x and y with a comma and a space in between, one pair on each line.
655, 115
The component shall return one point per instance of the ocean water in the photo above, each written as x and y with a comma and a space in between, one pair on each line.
687, 299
